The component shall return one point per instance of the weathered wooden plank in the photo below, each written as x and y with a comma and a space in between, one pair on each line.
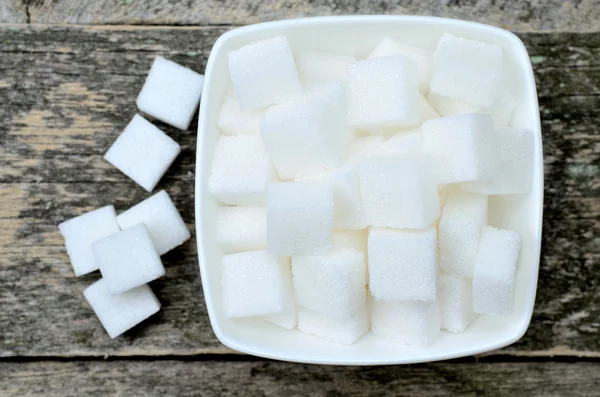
13, 11
583, 15
267, 378
65, 94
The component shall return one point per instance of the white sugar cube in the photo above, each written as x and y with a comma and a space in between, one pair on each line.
288, 317
468, 70
415, 324
513, 156
332, 283
388, 47
263, 73
171, 93
456, 302
308, 135
355, 239
444, 191
461, 147
254, 284
495, 267
123, 311
427, 111
461, 223
398, 192
402, 264
322, 67
235, 121
240, 171
348, 210
128, 259
162, 219
242, 228
383, 92
404, 142
364, 148
344, 331
299, 218
447, 106
83, 230
501, 111
143, 152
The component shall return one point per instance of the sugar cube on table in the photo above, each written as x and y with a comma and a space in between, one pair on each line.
501, 111
423, 57
455, 297
495, 267
254, 283
383, 92
412, 323
299, 218
143, 152
288, 317
348, 210
121, 312
234, 121
513, 156
159, 214
461, 147
333, 283
402, 264
128, 259
240, 171
322, 67
171, 93
398, 192
263, 73
465, 69
463, 218
355, 239
242, 228
343, 331
83, 230
308, 135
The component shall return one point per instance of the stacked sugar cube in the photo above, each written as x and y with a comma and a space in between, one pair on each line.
355, 191
127, 248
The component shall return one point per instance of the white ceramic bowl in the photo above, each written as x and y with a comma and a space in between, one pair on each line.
357, 35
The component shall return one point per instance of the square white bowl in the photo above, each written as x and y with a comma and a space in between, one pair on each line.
357, 36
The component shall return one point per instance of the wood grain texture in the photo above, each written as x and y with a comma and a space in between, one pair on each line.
12, 11
267, 378
581, 15
67, 92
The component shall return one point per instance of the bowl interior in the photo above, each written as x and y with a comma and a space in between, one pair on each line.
358, 36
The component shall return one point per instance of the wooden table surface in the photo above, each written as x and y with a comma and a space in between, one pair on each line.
69, 74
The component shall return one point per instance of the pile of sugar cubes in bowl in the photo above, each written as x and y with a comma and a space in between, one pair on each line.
354, 192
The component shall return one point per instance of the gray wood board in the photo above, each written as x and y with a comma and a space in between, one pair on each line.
67, 92
548, 15
268, 378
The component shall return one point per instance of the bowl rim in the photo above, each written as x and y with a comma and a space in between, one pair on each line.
537, 191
